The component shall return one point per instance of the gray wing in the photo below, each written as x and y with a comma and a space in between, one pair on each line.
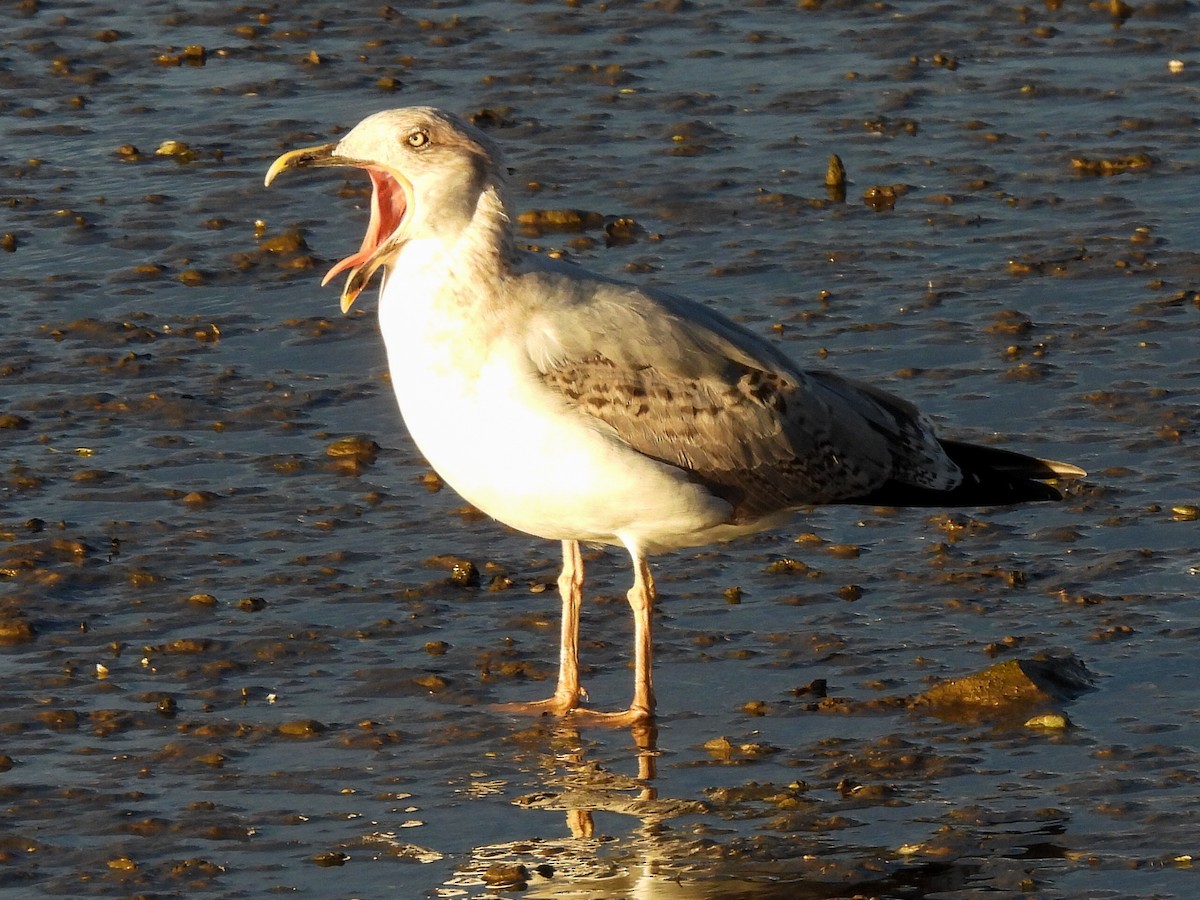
680, 383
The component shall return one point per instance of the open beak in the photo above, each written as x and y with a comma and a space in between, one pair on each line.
305, 158
391, 198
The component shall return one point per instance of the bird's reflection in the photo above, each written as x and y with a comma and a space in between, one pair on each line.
653, 861
681, 849
584, 787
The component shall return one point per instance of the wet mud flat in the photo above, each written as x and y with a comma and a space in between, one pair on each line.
248, 643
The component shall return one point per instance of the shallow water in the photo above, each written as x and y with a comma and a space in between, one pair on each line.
294, 694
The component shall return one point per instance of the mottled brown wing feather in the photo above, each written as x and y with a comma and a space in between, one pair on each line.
759, 442
683, 385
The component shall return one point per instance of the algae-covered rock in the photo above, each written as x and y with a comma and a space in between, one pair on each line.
1010, 688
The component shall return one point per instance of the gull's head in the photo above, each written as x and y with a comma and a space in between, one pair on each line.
428, 169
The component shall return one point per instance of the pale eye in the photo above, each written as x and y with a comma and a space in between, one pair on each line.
418, 140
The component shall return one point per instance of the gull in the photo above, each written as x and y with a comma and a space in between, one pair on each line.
579, 408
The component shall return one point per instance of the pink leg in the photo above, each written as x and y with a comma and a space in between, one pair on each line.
641, 602
570, 588
567, 696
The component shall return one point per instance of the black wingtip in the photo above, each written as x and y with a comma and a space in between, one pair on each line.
991, 477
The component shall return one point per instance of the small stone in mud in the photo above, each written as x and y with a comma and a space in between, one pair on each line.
195, 867
537, 221
818, 687
301, 728
871, 792
177, 150
1119, 10
214, 760
843, 551
1010, 322
287, 242
198, 498
184, 645
436, 648
1049, 722
251, 604
432, 683
331, 858
495, 117
733, 595
59, 719
506, 875
464, 574
720, 747
881, 197
835, 179
755, 749
15, 630
1008, 642
620, 231
356, 447
1112, 633
1113, 165
8, 242
787, 566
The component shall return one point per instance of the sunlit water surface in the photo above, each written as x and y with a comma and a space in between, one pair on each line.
237, 666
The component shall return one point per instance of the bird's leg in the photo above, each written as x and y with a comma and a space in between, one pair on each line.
641, 601
570, 588
568, 694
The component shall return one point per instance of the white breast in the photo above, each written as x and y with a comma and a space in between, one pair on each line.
477, 409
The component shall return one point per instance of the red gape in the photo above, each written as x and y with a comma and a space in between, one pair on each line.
387, 210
